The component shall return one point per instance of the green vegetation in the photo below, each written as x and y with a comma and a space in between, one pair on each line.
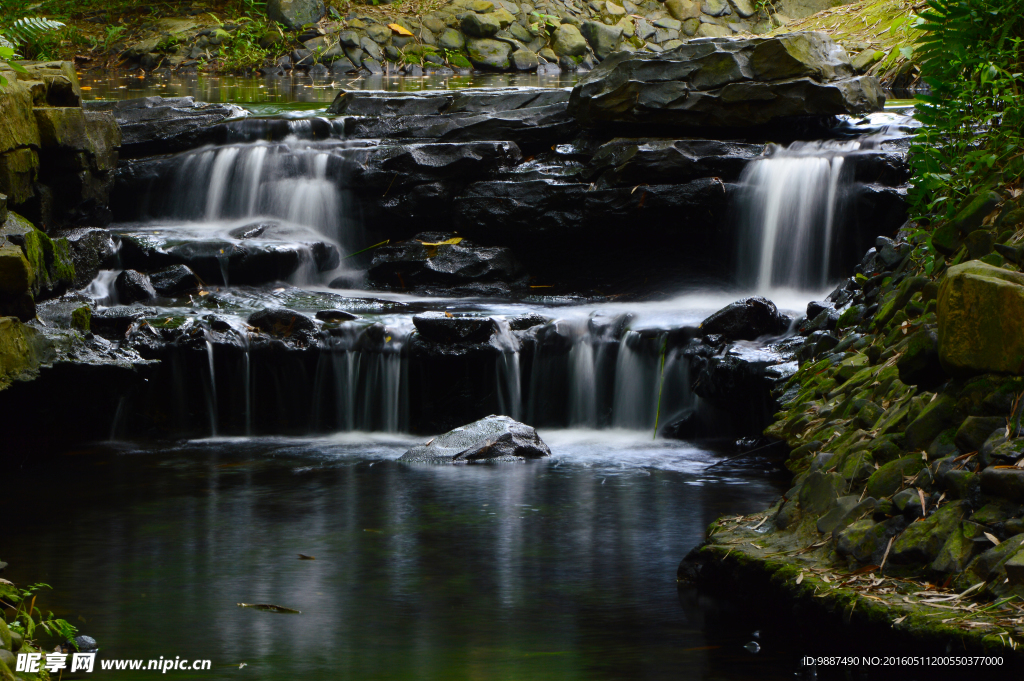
20, 31
26, 619
887, 26
973, 56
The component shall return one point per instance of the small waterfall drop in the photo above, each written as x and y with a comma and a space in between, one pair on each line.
295, 181
791, 206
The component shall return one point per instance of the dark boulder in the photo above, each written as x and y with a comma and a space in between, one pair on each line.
726, 82
283, 323
637, 161
133, 286
437, 102
430, 259
222, 261
92, 250
495, 438
335, 316
746, 319
161, 125
444, 327
531, 128
114, 322
174, 280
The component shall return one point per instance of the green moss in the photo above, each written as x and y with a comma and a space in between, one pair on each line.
459, 60
81, 318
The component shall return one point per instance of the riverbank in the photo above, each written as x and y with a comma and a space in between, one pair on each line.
453, 36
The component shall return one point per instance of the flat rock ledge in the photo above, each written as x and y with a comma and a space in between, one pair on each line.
491, 439
915, 615
726, 82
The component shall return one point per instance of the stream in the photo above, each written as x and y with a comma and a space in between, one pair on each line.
220, 474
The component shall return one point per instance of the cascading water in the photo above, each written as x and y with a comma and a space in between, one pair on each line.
791, 206
607, 379
286, 181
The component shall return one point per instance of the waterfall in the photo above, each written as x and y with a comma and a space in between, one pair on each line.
791, 206
363, 384
291, 181
606, 379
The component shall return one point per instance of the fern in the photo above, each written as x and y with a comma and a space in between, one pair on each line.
22, 31
30, 29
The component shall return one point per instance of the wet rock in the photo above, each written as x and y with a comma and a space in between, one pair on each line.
159, 125
527, 321
725, 82
495, 438
746, 319
114, 322
294, 14
218, 260
443, 327
632, 162
426, 261
91, 250
981, 319
283, 323
530, 127
335, 316
81, 644
133, 286
174, 280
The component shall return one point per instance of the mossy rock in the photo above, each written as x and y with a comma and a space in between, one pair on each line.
20, 349
974, 212
888, 479
921, 542
5, 635
866, 540
935, 418
981, 320
17, 122
81, 318
489, 54
18, 173
819, 492
956, 551
988, 567
459, 60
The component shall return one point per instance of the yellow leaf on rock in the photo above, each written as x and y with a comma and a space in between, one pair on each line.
399, 29
432, 246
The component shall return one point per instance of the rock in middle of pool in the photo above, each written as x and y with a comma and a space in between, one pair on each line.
493, 438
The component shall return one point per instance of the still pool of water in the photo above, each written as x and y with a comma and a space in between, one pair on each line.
558, 569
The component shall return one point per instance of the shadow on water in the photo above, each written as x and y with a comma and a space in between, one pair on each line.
561, 569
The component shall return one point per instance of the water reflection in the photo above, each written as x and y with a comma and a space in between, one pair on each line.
560, 570
290, 93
